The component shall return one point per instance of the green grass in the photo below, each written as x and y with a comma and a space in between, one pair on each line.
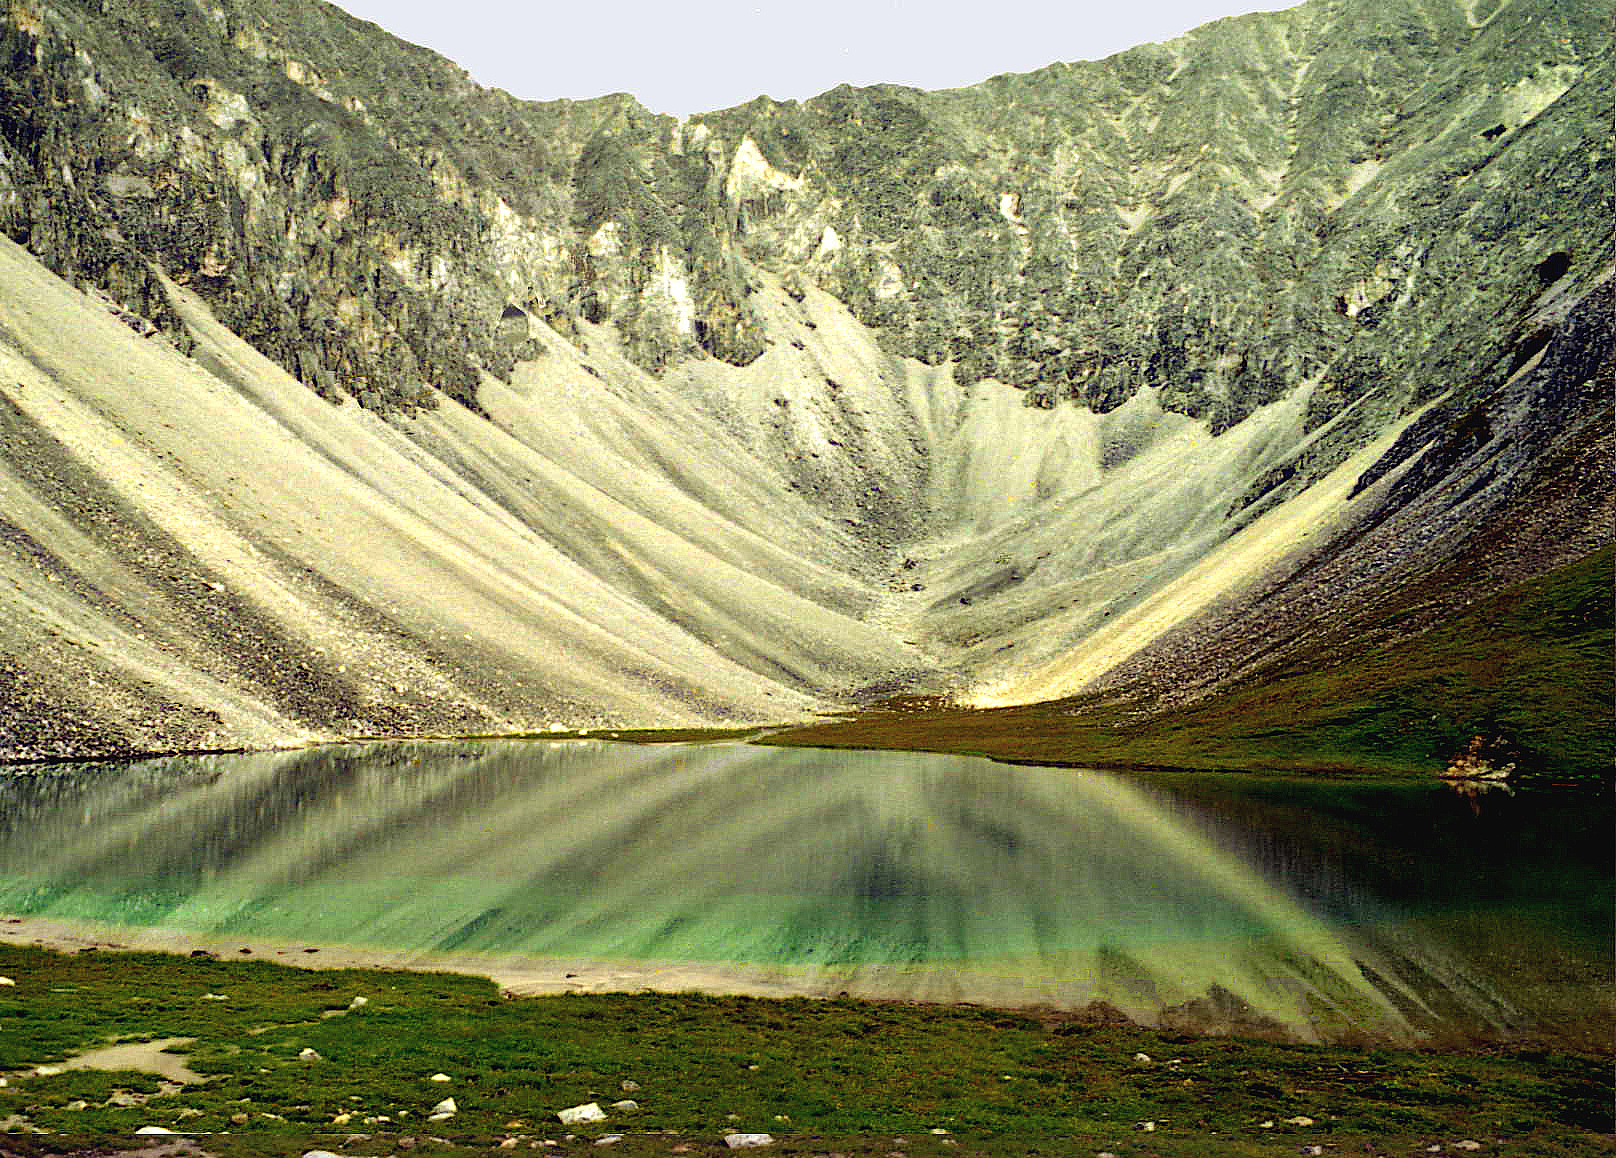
1530, 666
846, 1074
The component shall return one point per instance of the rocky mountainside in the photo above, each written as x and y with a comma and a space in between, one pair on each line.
992, 391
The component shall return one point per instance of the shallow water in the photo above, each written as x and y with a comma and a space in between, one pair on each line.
1319, 910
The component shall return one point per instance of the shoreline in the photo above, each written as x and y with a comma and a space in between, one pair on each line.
903, 985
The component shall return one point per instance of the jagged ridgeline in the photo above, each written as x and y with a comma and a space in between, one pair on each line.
1362, 194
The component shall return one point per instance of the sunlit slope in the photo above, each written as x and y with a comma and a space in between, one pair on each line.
201, 552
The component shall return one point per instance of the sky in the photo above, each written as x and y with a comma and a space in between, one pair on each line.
704, 55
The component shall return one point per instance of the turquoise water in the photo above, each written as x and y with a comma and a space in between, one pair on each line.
1315, 909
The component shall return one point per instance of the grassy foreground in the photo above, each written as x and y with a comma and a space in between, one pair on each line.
1530, 666
822, 1076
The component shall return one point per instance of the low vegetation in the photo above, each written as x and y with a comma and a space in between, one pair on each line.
1529, 668
819, 1075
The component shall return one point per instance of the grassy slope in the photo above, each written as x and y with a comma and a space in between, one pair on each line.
840, 1070
1532, 665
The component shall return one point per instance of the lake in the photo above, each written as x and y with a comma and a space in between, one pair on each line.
1312, 909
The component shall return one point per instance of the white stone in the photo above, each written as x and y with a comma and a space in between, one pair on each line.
47, 1071
588, 1112
1299, 1120
307, 1054
627, 1105
748, 1141
440, 1078
153, 1130
1142, 1058
320, 1154
1148, 1127
447, 1106
215, 997
1467, 1144
630, 1086
359, 1003
751, 175
6, 981
608, 1139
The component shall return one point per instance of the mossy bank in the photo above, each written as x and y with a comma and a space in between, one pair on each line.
289, 1057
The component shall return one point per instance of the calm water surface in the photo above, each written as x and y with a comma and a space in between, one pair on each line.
1314, 909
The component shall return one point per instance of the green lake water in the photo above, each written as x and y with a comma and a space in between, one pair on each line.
1314, 909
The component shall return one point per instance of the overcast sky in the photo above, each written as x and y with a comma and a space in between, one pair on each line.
703, 55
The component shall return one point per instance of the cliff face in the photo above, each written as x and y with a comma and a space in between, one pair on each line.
972, 376
1304, 196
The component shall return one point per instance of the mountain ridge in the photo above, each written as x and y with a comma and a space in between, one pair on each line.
777, 408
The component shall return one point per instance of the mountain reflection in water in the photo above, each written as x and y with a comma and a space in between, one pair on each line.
1314, 911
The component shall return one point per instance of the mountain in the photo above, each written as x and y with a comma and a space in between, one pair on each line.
344, 397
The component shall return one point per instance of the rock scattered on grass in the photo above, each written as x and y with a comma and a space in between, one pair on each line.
608, 1139
1299, 1120
748, 1141
575, 1115
627, 1105
440, 1078
629, 1086
308, 1054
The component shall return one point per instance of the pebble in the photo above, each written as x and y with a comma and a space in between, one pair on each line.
588, 1112
630, 1086
1311, 1150
6, 981
748, 1141
508, 1144
47, 1071
1148, 1127
153, 1130
446, 1107
215, 997
1299, 1120
627, 1105
307, 1054
608, 1139
440, 1078
359, 1003
1142, 1058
